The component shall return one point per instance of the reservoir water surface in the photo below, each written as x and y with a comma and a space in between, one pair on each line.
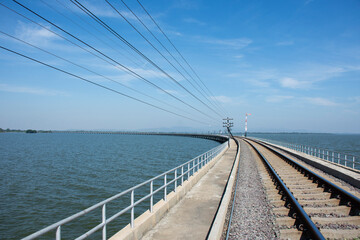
46, 177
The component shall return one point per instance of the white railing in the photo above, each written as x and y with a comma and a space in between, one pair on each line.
177, 175
347, 160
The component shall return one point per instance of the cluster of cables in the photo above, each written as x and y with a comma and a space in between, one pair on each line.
165, 80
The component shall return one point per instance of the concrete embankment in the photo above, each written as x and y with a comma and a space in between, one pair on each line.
189, 212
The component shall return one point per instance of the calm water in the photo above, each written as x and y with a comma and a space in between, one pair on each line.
47, 177
343, 143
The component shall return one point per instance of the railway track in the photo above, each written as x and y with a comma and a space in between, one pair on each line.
306, 205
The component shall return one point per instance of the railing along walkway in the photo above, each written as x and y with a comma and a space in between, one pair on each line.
193, 216
177, 175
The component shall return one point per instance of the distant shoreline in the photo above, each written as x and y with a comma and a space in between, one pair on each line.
165, 132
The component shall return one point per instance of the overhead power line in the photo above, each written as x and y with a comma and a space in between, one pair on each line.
202, 92
86, 30
106, 56
97, 84
115, 33
96, 35
91, 71
157, 25
156, 49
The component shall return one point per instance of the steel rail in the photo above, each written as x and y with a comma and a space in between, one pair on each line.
345, 197
291, 202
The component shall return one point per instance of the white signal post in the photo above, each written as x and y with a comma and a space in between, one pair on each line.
246, 123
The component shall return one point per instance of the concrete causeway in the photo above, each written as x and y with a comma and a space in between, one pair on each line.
192, 217
190, 212
198, 209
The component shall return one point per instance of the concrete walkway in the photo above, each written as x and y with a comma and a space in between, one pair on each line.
191, 218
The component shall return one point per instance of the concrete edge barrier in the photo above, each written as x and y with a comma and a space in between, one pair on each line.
217, 227
327, 169
148, 220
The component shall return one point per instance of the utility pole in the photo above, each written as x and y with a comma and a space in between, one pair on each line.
246, 123
228, 124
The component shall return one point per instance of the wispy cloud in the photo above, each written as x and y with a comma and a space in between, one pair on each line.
278, 98
293, 83
30, 90
235, 43
355, 99
222, 99
239, 56
186, 4
35, 35
320, 101
285, 43
100, 10
174, 33
302, 76
259, 77
194, 21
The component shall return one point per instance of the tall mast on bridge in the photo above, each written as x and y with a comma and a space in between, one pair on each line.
228, 124
246, 123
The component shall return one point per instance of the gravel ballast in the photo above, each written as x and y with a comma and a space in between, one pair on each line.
252, 218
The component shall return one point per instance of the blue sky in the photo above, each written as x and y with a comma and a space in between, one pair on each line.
294, 65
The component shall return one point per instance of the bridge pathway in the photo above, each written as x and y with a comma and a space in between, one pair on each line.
191, 218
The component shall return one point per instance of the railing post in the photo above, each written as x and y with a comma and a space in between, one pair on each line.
165, 192
58, 233
193, 167
353, 162
333, 157
104, 222
345, 161
339, 158
188, 170
151, 196
182, 175
327, 155
132, 209
175, 178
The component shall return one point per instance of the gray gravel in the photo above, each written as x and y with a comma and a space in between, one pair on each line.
252, 218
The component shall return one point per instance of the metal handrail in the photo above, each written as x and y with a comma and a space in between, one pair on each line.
347, 160
191, 166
